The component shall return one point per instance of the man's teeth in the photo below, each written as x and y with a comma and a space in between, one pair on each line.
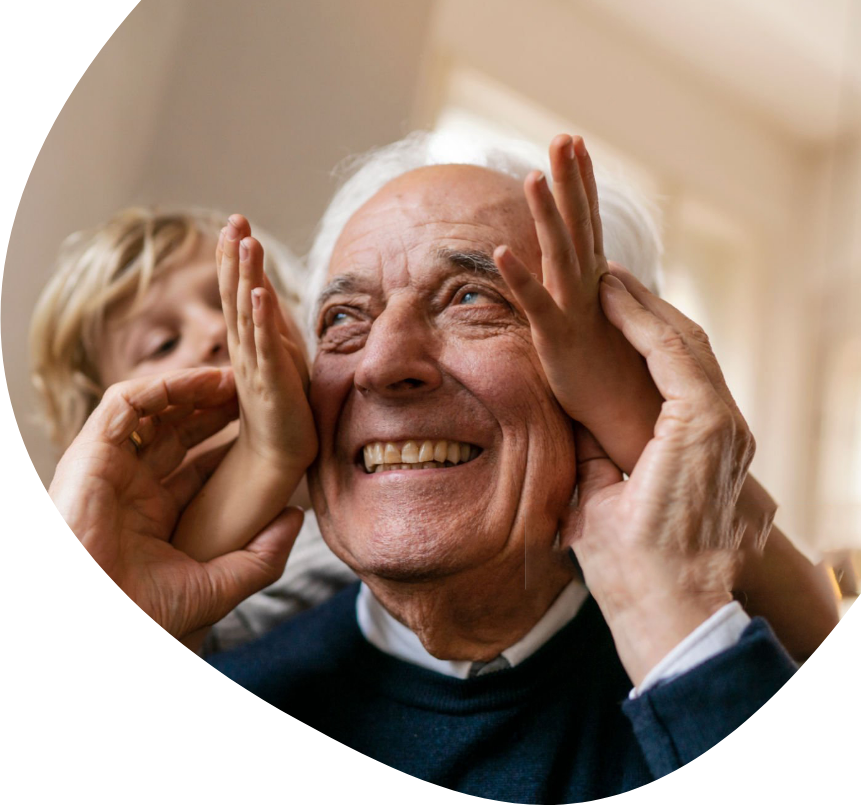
417, 455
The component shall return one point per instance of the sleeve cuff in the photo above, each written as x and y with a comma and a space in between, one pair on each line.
720, 632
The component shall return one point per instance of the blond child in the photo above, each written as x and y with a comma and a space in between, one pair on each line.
139, 295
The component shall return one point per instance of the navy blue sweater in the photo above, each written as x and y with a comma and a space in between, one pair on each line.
556, 728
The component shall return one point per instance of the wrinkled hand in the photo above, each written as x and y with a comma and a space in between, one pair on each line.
658, 551
592, 369
122, 502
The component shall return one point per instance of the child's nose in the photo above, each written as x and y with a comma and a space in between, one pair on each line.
213, 343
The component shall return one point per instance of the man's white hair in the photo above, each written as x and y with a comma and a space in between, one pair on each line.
631, 234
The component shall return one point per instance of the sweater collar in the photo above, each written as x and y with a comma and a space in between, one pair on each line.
389, 635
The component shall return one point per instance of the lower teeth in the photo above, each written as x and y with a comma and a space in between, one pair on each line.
422, 465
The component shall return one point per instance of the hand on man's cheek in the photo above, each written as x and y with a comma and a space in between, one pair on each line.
424, 349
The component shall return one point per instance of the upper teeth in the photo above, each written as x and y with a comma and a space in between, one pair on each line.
416, 454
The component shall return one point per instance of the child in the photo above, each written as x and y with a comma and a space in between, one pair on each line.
139, 295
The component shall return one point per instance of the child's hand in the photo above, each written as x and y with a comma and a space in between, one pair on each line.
596, 375
270, 368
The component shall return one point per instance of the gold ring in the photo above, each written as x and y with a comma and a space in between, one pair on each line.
136, 440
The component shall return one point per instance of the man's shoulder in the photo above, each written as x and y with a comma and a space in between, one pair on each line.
313, 645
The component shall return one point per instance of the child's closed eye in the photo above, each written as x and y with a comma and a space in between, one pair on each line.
159, 347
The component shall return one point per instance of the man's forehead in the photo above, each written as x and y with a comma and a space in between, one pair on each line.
432, 210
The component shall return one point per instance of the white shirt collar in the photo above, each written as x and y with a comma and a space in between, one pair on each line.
389, 635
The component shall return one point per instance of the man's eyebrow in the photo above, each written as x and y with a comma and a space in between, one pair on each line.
345, 284
471, 260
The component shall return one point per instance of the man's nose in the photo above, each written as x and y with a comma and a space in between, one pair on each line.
398, 356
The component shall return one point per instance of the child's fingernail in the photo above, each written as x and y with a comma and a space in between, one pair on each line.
221, 237
571, 150
578, 146
232, 230
256, 298
613, 282
243, 249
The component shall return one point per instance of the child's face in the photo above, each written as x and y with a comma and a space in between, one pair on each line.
178, 324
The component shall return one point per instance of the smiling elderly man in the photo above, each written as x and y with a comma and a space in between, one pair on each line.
472, 656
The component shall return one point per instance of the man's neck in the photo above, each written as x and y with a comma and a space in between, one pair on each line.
473, 616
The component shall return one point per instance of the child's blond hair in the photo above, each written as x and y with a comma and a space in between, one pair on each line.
99, 267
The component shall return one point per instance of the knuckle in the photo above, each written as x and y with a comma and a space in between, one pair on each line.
671, 341
699, 336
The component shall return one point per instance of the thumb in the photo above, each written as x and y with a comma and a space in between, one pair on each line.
595, 471
239, 574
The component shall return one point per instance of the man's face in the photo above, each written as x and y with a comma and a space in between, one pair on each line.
421, 349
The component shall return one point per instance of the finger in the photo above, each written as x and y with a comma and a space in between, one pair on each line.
587, 175
228, 281
124, 405
536, 301
694, 335
280, 319
271, 357
595, 471
560, 270
219, 251
571, 198
250, 277
674, 368
300, 362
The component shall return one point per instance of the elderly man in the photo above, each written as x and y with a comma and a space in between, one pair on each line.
472, 656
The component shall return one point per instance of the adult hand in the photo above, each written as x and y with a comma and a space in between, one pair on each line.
658, 550
122, 500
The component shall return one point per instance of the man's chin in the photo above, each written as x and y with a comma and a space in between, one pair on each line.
406, 556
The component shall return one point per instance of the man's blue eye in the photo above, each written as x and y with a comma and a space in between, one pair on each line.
470, 298
337, 318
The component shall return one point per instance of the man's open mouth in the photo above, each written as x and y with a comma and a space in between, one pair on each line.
417, 454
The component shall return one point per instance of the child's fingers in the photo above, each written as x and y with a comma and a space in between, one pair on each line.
272, 360
299, 361
228, 276
536, 301
571, 199
587, 175
219, 252
250, 278
559, 259
280, 321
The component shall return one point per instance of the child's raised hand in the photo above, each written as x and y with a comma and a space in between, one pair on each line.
597, 377
270, 368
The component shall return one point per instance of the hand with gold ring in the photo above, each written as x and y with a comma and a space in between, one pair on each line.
121, 487
136, 440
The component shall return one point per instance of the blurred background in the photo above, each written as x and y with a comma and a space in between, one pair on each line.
741, 120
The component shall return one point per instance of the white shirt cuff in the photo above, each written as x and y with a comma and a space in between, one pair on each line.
720, 632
